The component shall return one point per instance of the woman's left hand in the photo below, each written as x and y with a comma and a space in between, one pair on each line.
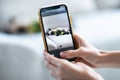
63, 70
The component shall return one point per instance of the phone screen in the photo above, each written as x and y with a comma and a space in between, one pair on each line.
57, 29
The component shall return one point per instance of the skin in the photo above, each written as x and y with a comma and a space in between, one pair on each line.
63, 70
87, 56
93, 56
80, 69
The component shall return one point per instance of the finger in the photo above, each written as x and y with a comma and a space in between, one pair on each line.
53, 60
76, 40
81, 41
81, 52
70, 53
53, 74
54, 71
51, 66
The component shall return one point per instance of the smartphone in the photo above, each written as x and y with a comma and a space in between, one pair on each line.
56, 29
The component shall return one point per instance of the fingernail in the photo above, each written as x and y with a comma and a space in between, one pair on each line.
62, 55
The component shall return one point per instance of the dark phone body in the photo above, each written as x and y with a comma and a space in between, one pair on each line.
50, 19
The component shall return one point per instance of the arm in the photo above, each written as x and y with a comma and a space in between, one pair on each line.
92, 55
109, 59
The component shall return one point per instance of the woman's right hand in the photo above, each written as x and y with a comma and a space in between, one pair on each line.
84, 50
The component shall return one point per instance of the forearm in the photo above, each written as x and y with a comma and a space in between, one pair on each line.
109, 59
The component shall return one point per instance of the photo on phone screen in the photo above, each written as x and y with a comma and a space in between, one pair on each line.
57, 29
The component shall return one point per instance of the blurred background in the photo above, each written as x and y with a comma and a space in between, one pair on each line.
21, 44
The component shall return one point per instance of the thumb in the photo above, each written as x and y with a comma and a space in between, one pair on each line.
77, 41
70, 54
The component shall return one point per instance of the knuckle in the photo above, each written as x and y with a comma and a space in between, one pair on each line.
82, 49
63, 63
70, 51
72, 55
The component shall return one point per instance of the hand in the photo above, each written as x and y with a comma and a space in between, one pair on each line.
63, 70
85, 51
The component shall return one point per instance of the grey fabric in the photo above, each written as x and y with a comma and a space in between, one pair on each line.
21, 62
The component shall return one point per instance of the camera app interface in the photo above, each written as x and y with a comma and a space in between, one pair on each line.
57, 30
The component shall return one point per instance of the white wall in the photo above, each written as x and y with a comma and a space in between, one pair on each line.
28, 9
111, 4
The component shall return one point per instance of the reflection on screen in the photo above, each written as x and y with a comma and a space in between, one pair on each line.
57, 30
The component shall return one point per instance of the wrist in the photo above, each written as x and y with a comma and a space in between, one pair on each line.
109, 59
101, 59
